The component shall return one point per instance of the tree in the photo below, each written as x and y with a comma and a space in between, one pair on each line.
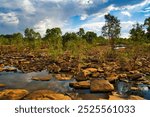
111, 29
137, 33
68, 37
30, 34
81, 32
89, 36
147, 24
54, 36
17, 38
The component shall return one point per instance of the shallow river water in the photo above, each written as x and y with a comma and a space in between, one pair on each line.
14, 80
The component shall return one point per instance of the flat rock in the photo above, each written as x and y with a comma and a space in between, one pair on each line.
135, 76
89, 71
63, 77
112, 77
122, 76
81, 77
13, 94
2, 85
134, 97
10, 69
80, 85
42, 78
134, 88
46, 95
98, 85
114, 97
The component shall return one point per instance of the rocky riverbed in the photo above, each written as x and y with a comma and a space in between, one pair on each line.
37, 76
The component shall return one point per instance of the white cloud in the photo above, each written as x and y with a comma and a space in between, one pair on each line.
45, 24
126, 13
142, 4
85, 2
9, 18
84, 17
95, 27
27, 6
125, 35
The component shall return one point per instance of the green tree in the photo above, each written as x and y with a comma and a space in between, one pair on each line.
111, 29
81, 32
90, 36
147, 25
17, 38
68, 37
31, 35
32, 38
137, 33
54, 36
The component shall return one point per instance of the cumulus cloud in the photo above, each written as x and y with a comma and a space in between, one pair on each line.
142, 4
43, 14
42, 25
84, 17
9, 18
126, 13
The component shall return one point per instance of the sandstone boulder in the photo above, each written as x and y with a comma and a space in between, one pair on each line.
98, 85
63, 77
112, 77
80, 85
42, 78
13, 94
46, 95
134, 97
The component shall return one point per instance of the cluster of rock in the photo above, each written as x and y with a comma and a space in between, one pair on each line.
89, 74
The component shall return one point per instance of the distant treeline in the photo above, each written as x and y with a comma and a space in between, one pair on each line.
54, 37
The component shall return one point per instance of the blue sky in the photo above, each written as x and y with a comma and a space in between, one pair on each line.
69, 15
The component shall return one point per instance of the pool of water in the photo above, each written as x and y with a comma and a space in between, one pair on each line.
123, 88
23, 80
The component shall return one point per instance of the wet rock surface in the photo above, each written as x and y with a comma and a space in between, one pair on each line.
98, 85
63, 76
80, 85
42, 78
46, 95
13, 94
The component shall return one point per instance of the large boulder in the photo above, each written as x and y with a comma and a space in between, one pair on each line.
80, 85
84, 74
46, 95
98, 85
13, 94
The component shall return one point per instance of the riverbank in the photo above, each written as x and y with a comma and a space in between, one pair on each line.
95, 74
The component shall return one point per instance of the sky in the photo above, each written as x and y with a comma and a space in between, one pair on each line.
70, 15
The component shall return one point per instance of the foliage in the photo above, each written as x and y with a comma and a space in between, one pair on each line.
111, 29
137, 33
90, 36
147, 25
